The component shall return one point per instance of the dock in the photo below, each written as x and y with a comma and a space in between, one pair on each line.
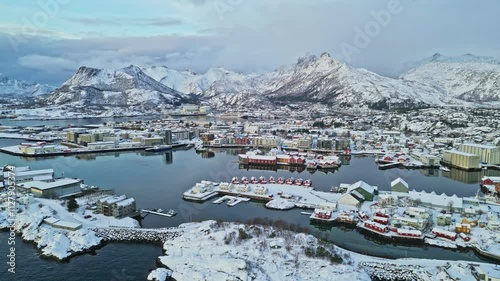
390, 165
155, 213
231, 200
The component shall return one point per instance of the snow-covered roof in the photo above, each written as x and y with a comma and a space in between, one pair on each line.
112, 199
435, 199
41, 185
125, 202
399, 180
460, 153
368, 188
34, 172
485, 146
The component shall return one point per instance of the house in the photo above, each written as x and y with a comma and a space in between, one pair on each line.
242, 188
226, 186
366, 191
462, 228
406, 221
351, 199
116, 206
260, 190
444, 233
443, 219
399, 185
418, 213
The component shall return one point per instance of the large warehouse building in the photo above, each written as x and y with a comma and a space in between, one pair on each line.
489, 154
462, 160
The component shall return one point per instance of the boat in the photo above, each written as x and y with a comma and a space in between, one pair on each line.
307, 183
262, 180
253, 180
171, 213
443, 168
306, 213
235, 180
158, 148
289, 180
244, 180
159, 210
298, 182
200, 148
312, 165
281, 180
272, 180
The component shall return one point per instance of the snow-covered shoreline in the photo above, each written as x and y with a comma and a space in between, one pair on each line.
254, 252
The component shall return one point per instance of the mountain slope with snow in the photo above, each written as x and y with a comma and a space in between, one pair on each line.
326, 80
17, 88
468, 78
128, 86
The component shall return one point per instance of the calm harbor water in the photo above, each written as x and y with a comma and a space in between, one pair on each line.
157, 180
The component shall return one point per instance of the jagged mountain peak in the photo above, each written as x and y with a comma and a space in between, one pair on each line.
21, 89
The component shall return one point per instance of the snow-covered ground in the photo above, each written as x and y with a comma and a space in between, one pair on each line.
55, 242
230, 251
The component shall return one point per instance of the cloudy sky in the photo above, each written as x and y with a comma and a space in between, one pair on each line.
47, 40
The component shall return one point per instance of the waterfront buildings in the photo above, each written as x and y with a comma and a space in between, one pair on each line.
116, 206
489, 154
52, 189
462, 160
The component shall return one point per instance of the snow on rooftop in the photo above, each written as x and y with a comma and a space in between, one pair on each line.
399, 180
41, 185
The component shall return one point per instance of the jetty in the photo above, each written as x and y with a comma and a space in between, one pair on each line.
231, 200
158, 213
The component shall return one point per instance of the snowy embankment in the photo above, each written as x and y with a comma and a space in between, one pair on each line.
52, 242
243, 252
55, 242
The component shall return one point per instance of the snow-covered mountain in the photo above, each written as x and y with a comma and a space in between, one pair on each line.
468, 78
128, 86
435, 81
326, 80
312, 79
19, 89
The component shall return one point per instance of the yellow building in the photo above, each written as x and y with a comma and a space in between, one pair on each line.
487, 153
462, 160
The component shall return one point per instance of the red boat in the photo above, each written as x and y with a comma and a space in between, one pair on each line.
272, 180
281, 180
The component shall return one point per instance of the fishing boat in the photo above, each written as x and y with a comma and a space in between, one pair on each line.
272, 180
443, 168
171, 213
158, 148
281, 180
200, 148
244, 180
262, 180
